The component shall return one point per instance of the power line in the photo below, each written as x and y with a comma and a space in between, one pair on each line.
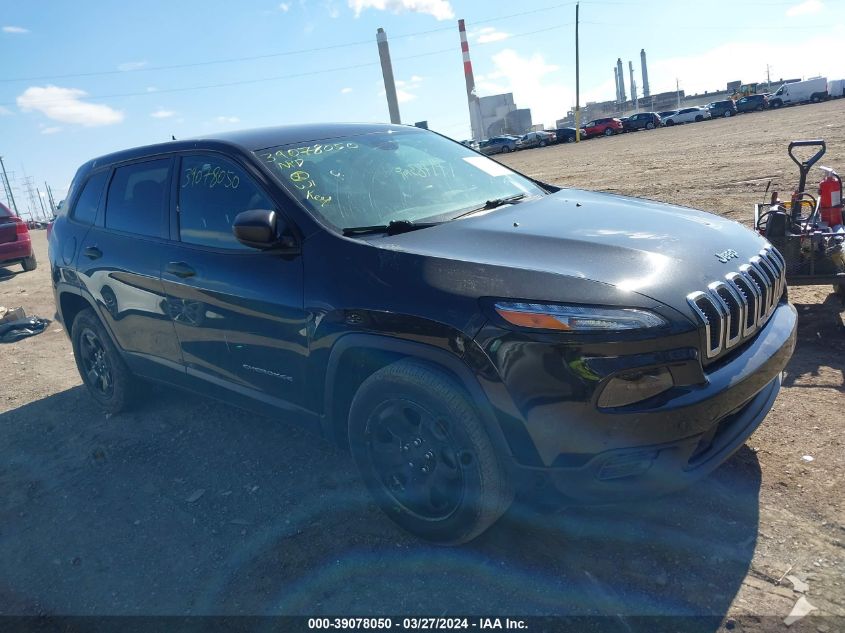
243, 82
303, 51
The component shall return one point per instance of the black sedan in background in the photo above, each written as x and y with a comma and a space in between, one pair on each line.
641, 121
567, 134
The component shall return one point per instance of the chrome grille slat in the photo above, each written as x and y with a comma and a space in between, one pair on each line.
733, 309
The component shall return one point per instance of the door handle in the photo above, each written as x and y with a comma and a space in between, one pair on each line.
92, 252
180, 269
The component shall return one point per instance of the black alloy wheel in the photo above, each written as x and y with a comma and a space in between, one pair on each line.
94, 360
100, 365
425, 454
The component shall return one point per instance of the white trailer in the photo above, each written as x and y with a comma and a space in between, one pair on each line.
836, 88
807, 91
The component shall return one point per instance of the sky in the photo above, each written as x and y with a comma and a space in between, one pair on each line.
84, 78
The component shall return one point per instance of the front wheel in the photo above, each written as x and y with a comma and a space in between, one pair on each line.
505, 149
569, 139
608, 132
99, 363
670, 123
699, 119
776, 104
29, 263
728, 114
425, 455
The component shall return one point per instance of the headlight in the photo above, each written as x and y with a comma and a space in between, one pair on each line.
571, 318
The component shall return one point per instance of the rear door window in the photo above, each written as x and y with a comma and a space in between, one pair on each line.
212, 191
137, 198
85, 210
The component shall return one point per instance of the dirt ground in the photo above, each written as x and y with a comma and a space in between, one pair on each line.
188, 506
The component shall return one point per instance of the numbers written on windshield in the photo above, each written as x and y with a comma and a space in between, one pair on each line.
291, 162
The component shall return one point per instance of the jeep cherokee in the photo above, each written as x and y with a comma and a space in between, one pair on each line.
469, 332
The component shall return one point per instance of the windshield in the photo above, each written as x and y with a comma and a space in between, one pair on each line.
378, 178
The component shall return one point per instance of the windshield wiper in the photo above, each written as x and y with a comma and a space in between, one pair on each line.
395, 227
493, 204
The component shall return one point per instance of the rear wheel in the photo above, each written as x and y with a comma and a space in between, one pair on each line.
29, 263
699, 119
649, 126
608, 132
728, 113
424, 454
670, 123
99, 363
569, 139
505, 149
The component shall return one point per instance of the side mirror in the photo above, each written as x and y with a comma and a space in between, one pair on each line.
262, 229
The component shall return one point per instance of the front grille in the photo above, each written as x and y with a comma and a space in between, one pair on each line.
731, 310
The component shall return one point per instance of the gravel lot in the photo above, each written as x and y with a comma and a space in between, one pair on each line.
188, 506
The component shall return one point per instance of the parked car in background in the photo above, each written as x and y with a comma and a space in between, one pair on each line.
498, 145
836, 88
534, 139
688, 115
725, 108
567, 134
15, 244
641, 121
752, 103
664, 115
606, 127
808, 91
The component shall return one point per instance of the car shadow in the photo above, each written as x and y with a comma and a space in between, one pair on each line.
6, 274
820, 346
188, 506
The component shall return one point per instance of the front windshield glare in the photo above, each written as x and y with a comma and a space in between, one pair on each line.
374, 179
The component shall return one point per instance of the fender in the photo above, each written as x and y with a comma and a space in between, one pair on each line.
436, 357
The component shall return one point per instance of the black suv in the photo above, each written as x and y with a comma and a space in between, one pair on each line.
722, 108
469, 332
641, 121
752, 103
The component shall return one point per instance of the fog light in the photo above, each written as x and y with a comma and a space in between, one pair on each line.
635, 386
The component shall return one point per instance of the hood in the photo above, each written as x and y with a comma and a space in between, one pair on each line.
658, 250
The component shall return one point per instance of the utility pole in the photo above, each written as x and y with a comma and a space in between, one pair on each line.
768, 78
41, 200
577, 81
8, 187
678, 91
50, 198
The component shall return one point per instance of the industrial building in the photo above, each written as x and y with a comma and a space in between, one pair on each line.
499, 115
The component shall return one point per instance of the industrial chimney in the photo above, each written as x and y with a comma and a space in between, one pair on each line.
472, 97
616, 81
387, 73
633, 86
621, 74
646, 91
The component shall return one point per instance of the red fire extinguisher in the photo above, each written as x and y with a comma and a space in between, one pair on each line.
830, 197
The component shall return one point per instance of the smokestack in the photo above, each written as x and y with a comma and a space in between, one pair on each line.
387, 73
646, 92
621, 72
616, 80
472, 97
633, 85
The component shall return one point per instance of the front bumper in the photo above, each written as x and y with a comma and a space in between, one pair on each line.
589, 455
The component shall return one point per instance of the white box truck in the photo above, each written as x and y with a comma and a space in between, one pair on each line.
809, 90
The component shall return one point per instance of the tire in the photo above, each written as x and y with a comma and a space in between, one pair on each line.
100, 365
728, 114
839, 290
670, 123
29, 263
759, 108
649, 126
505, 149
608, 132
775, 104
542, 143
424, 454
569, 139
699, 119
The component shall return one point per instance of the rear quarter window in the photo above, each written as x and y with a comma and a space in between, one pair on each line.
85, 209
5, 212
137, 197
